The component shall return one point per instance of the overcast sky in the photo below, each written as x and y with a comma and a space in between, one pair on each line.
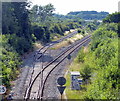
65, 6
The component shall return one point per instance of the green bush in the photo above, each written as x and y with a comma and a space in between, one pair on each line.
80, 56
20, 44
85, 72
105, 77
10, 61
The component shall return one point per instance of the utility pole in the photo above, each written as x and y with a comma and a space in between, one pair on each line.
41, 70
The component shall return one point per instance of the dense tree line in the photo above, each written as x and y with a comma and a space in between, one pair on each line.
16, 25
115, 18
16, 38
45, 24
99, 67
91, 26
87, 12
10, 61
88, 15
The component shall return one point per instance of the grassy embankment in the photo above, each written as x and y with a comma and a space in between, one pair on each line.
75, 66
55, 37
38, 45
67, 41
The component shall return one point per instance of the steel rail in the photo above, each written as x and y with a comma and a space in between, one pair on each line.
69, 52
27, 95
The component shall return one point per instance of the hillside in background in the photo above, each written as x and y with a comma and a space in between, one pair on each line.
89, 15
86, 15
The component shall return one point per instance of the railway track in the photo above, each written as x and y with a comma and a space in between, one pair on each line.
30, 63
39, 53
44, 48
36, 83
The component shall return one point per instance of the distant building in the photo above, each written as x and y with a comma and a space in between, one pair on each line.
93, 20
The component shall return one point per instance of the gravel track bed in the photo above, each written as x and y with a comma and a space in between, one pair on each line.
23, 81
51, 90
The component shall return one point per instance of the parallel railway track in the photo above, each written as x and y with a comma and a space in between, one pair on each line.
50, 67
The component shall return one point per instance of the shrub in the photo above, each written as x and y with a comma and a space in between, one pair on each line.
85, 72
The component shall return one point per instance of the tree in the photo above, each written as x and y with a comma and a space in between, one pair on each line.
115, 17
15, 21
86, 72
105, 74
9, 20
10, 61
42, 13
80, 56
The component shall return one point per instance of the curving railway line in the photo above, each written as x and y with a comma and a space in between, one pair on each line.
44, 48
37, 83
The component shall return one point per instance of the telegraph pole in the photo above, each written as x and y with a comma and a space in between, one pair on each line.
41, 70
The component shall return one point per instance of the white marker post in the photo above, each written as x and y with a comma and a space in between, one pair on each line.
2, 89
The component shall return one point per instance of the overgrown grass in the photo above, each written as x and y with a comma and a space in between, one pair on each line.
37, 45
60, 45
67, 42
57, 36
75, 94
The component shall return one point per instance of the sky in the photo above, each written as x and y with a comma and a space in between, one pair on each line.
66, 6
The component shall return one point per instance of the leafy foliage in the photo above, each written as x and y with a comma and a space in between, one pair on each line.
9, 62
85, 72
80, 56
16, 25
16, 39
115, 17
88, 15
101, 64
45, 24
41, 13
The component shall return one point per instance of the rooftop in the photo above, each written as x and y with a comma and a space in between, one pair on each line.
75, 73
